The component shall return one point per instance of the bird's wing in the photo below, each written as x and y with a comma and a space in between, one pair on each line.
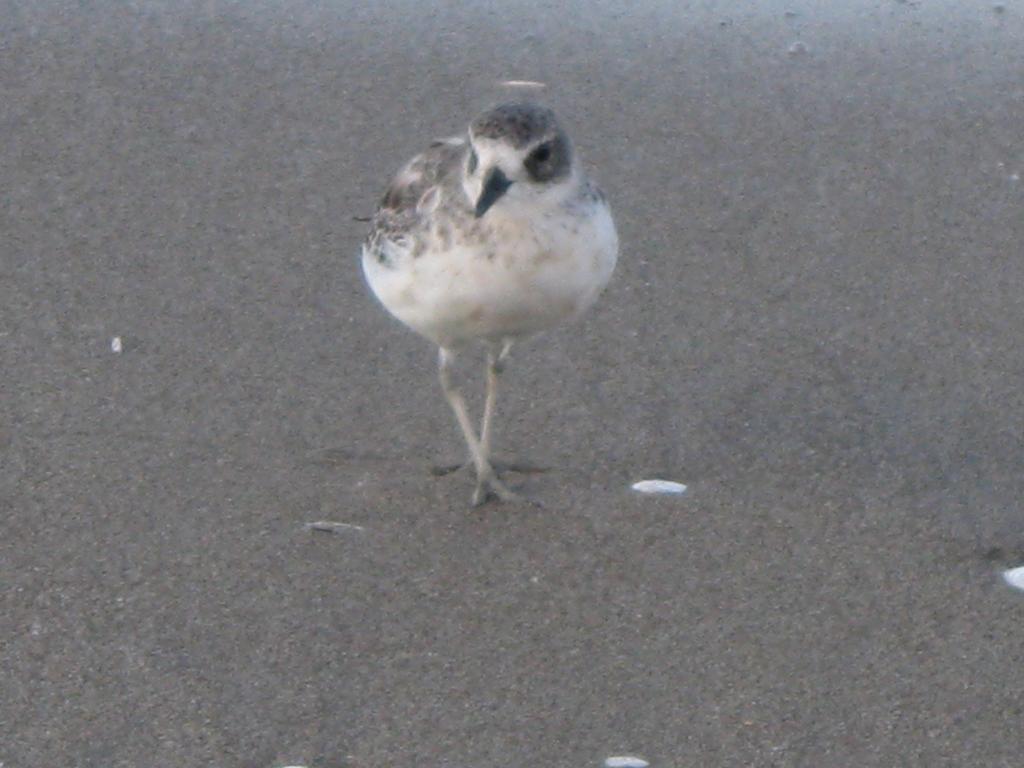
413, 196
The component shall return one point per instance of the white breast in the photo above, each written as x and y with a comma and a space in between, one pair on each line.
525, 275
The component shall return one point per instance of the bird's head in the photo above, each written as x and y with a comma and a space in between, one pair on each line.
519, 156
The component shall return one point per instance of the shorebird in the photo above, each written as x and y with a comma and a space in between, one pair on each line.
490, 237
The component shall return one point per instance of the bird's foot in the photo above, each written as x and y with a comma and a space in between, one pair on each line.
489, 484
500, 467
490, 487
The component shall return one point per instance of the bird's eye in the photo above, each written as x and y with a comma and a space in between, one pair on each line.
548, 161
471, 163
541, 154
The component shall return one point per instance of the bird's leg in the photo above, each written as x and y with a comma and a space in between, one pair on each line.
495, 364
486, 480
495, 367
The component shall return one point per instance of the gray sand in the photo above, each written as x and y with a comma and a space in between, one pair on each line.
816, 324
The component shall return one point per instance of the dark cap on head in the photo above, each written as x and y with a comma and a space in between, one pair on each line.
518, 123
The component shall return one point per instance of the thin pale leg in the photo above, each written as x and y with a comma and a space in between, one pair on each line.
486, 480
495, 365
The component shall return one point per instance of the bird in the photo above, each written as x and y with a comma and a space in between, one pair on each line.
490, 237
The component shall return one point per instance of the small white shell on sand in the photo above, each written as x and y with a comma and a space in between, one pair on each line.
1015, 577
115, 345
659, 486
329, 526
798, 48
626, 761
523, 84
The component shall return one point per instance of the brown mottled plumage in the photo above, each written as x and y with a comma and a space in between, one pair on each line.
400, 214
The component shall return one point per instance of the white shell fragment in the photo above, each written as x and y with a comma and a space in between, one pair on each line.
1015, 577
328, 526
659, 486
626, 761
115, 345
522, 84
798, 48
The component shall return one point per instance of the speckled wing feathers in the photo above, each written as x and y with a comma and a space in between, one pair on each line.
404, 212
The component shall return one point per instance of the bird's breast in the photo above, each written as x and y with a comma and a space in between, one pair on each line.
506, 277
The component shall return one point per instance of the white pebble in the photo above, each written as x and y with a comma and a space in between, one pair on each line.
659, 486
797, 48
115, 345
626, 761
1015, 577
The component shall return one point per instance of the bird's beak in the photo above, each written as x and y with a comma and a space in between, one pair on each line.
496, 184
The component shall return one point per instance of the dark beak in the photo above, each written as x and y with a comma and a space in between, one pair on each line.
495, 185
